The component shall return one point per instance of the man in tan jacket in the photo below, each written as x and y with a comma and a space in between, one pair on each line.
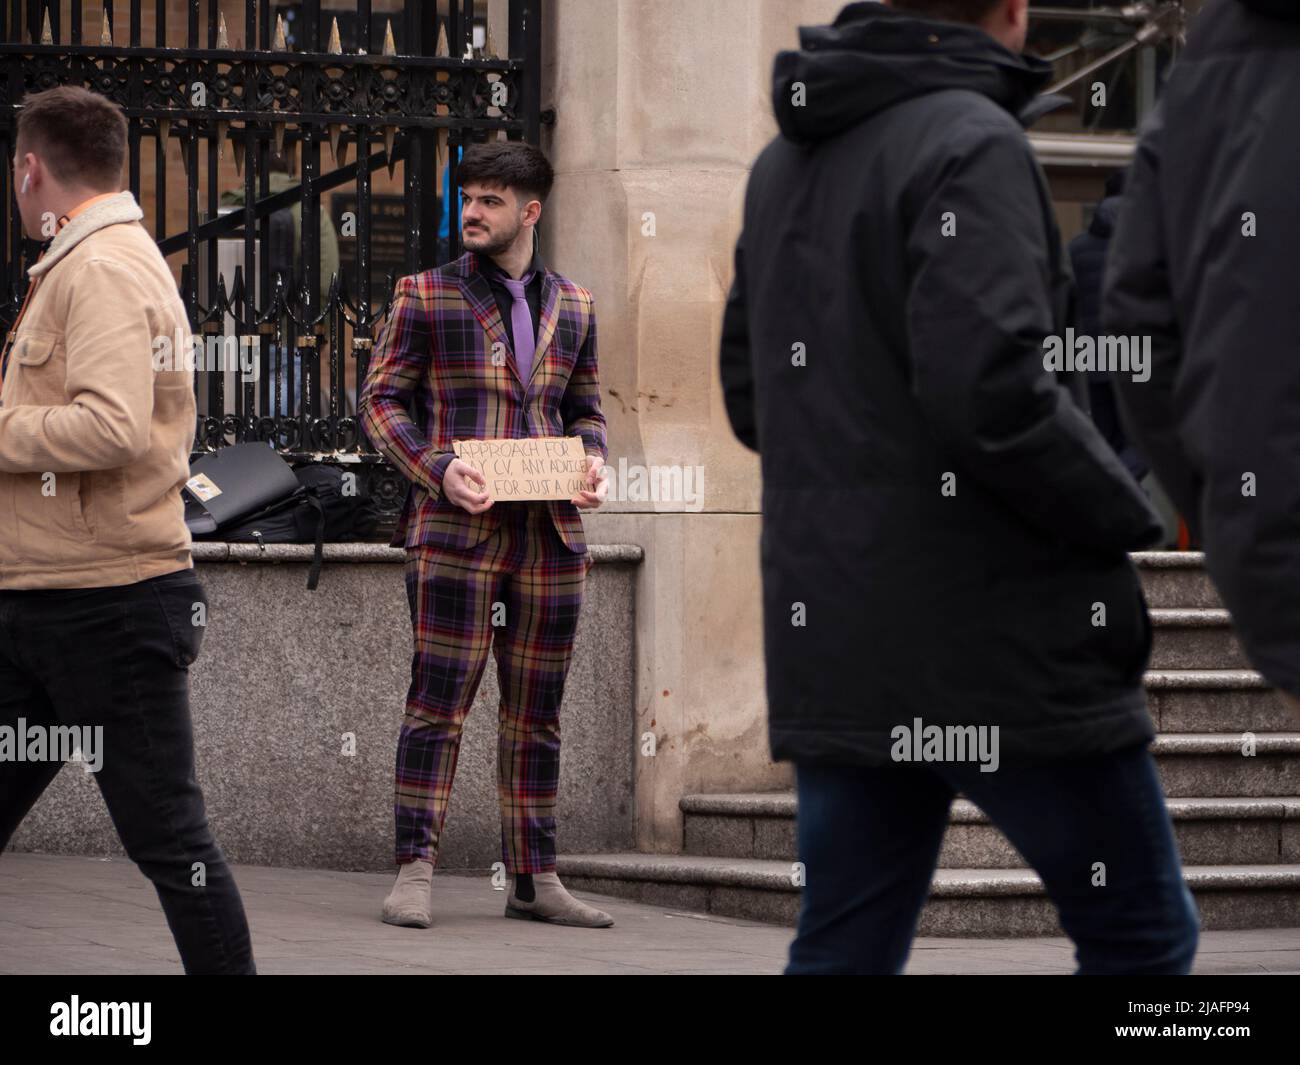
101, 613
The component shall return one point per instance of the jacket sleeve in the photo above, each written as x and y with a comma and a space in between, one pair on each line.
979, 308
735, 363
107, 420
1137, 301
397, 367
580, 404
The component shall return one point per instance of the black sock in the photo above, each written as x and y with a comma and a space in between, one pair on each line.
524, 887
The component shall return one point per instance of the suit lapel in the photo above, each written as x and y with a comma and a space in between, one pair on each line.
477, 291
478, 294
546, 319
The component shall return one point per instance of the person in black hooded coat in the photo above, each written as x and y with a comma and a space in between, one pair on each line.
1088, 257
944, 531
1204, 262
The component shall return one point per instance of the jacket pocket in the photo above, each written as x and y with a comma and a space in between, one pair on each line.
35, 377
81, 507
1130, 633
8, 519
34, 348
50, 528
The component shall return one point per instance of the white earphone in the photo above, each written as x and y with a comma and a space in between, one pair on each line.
27, 180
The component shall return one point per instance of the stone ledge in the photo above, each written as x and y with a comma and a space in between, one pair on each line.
742, 804
1204, 680
767, 875
1211, 743
1180, 809
1163, 617
681, 869
1168, 559
214, 551
784, 805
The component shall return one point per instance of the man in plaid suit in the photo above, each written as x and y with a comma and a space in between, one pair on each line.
493, 345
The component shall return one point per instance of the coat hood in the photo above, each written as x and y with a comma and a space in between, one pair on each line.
874, 56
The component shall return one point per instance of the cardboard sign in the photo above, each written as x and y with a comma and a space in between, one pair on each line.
535, 467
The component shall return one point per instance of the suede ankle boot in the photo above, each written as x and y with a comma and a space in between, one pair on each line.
553, 904
408, 903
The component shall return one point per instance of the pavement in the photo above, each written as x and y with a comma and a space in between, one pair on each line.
88, 916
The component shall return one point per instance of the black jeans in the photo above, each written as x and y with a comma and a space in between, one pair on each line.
119, 658
1095, 829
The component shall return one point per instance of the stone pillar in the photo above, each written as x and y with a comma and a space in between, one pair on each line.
661, 108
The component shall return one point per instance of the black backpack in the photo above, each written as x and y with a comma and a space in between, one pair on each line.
316, 511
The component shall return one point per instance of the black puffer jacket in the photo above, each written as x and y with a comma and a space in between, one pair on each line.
1220, 417
886, 598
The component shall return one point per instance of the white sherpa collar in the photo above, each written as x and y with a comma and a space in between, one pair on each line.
119, 208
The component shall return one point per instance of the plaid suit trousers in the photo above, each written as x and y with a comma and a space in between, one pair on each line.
523, 578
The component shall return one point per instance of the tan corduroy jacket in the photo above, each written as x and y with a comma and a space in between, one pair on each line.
94, 441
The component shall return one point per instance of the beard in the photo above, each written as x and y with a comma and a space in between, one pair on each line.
487, 243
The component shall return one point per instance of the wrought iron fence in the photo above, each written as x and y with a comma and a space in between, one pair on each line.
1109, 57
257, 107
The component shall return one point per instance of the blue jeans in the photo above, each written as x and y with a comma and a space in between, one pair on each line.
869, 839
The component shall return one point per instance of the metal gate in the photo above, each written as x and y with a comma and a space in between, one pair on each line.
285, 104
1123, 50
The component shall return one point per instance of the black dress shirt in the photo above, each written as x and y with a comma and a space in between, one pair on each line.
505, 301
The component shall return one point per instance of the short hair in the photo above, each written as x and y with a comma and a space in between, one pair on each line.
512, 164
79, 135
972, 11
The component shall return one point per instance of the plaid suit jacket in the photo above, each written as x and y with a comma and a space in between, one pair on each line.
437, 348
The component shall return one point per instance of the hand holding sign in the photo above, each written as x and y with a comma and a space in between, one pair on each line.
537, 467
596, 488
464, 486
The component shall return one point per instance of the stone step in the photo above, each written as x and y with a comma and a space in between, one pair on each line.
1195, 638
1175, 579
1207, 764
1215, 831
1214, 700
963, 902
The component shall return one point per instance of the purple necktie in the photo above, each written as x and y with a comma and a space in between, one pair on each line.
521, 322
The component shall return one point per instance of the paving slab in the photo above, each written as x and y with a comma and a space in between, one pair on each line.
68, 915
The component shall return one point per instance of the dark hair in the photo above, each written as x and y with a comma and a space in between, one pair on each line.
949, 10
79, 135
510, 164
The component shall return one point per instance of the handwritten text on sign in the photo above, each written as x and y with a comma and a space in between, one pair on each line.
537, 467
